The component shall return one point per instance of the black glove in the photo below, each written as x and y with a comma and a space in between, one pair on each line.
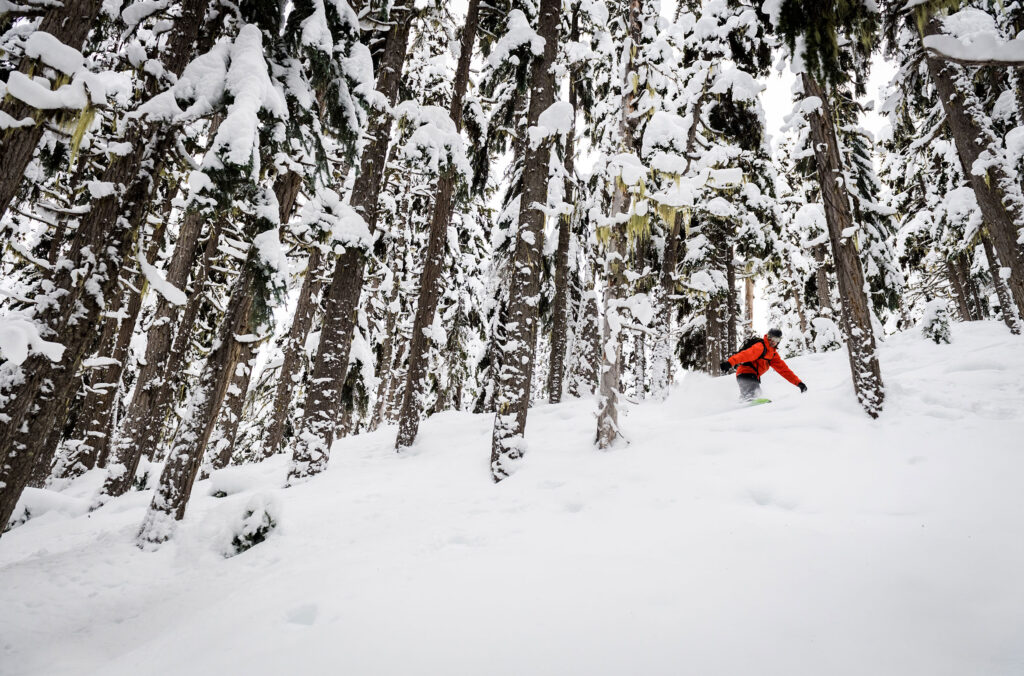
803, 388
725, 366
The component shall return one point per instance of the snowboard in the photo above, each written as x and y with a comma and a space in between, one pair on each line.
759, 401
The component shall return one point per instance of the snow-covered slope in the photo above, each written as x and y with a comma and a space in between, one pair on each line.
794, 538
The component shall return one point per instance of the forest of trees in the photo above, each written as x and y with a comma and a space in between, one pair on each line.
233, 228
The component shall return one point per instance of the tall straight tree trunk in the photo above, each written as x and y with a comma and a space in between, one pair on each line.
748, 305
183, 460
520, 331
963, 262
957, 287
662, 359
1006, 306
294, 351
560, 318
221, 447
90, 439
856, 316
615, 260
69, 22
230, 351
798, 301
1002, 214
322, 405
719, 312
821, 280
167, 341
583, 370
430, 280
734, 305
387, 356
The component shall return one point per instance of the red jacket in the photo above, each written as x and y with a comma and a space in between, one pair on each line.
761, 356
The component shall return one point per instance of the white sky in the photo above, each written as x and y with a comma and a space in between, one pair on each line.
778, 97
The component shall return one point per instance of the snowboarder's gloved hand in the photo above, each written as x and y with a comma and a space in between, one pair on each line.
724, 366
803, 388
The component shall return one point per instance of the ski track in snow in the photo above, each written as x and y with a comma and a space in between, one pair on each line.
793, 538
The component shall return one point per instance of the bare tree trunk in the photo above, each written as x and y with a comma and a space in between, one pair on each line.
583, 373
221, 447
798, 292
69, 22
186, 454
615, 261
963, 262
387, 357
220, 371
640, 364
959, 294
515, 380
718, 314
397, 379
856, 316
294, 351
1001, 213
90, 437
430, 280
1006, 307
821, 280
88, 445
295, 344
662, 361
748, 306
341, 301
734, 304
560, 318
140, 431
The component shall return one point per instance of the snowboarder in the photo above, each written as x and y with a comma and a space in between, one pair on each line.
753, 359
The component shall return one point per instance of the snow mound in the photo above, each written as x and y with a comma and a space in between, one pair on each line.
799, 537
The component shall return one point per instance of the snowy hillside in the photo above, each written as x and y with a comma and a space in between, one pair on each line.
795, 538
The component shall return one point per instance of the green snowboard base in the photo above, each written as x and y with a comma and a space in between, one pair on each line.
762, 400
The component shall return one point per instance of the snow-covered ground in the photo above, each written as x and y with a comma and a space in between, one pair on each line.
795, 538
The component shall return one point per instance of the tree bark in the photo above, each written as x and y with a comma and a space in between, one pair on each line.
430, 280
560, 315
821, 280
219, 373
294, 351
1002, 215
719, 311
520, 331
384, 389
221, 447
748, 305
327, 376
140, 432
732, 318
662, 360
69, 22
1006, 307
856, 316
583, 373
186, 454
963, 262
957, 287
615, 260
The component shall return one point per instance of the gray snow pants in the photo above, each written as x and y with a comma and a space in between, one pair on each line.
750, 387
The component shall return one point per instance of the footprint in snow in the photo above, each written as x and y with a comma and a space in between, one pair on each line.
304, 615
